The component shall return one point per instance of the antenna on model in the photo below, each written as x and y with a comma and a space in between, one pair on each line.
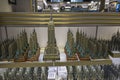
51, 15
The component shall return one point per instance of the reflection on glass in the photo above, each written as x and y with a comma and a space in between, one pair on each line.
76, 0
55, 1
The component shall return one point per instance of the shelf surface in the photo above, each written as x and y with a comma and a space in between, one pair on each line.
43, 64
62, 62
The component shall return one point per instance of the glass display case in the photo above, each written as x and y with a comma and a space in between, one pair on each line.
87, 43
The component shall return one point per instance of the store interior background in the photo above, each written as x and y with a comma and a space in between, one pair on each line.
20, 6
104, 32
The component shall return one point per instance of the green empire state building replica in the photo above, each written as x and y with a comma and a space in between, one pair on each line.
51, 50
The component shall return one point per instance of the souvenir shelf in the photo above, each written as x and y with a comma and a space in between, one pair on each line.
60, 19
45, 64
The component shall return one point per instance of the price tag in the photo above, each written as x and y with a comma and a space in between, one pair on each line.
107, 1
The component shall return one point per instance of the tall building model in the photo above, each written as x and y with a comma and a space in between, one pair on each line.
51, 51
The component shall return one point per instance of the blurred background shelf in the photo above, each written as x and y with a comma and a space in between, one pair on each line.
61, 19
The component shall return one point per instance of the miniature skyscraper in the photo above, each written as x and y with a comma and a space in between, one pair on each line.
51, 51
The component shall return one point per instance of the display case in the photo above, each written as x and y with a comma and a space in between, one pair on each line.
58, 26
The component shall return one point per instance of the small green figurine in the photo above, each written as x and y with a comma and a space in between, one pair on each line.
33, 44
70, 45
22, 44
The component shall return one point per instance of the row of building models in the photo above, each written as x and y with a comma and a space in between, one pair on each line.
91, 72
84, 48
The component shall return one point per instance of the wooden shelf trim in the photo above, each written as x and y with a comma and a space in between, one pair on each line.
44, 64
59, 18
